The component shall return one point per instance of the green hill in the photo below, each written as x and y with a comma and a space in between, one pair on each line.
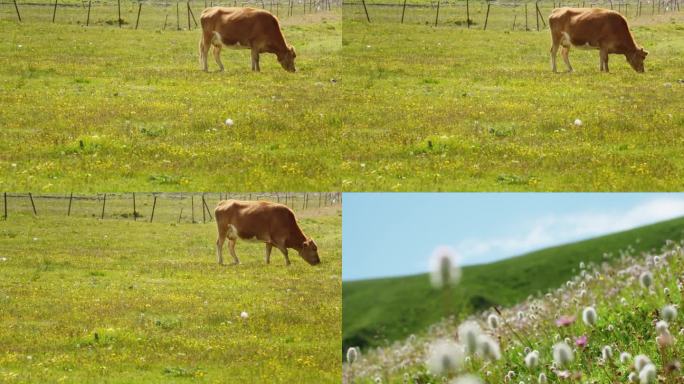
380, 310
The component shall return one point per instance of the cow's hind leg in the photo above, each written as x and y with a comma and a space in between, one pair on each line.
217, 55
269, 246
255, 60
219, 246
204, 44
231, 247
566, 58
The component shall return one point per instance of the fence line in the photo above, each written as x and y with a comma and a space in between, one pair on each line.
164, 207
115, 13
506, 11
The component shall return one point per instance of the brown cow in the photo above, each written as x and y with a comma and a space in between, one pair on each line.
271, 223
593, 28
248, 28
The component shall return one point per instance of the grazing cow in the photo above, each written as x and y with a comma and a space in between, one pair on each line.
270, 223
248, 28
593, 28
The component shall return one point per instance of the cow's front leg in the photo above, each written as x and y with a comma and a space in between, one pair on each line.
283, 249
565, 53
269, 246
604, 60
554, 51
231, 247
255, 60
219, 249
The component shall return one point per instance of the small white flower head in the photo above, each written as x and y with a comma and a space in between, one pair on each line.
640, 361
352, 355
582, 265
662, 328
467, 379
488, 348
666, 291
562, 354
623, 301
229, 122
542, 379
377, 380
648, 374
578, 123
610, 328
468, 332
244, 315
607, 353
445, 357
589, 316
633, 377
444, 269
625, 357
493, 321
669, 313
646, 279
521, 315
532, 359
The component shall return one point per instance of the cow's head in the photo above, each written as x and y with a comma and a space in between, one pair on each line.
286, 59
309, 252
636, 59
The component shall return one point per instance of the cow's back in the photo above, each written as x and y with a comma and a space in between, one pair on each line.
236, 24
253, 218
590, 25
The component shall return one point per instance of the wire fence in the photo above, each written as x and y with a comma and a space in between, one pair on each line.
151, 207
157, 15
507, 15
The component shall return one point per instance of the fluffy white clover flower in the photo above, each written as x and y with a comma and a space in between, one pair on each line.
468, 332
493, 321
607, 352
444, 269
640, 361
352, 355
589, 316
488, 348
542, 379
445, 357
532, 359
648, 374
467, 379
562, 354
662, 327
625, 357
669, 313
646, 279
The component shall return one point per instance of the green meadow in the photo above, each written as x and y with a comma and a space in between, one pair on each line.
451, 108
84, 300
106, 108
378, 312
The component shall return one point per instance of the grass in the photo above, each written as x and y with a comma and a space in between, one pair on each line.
116, 301
449, 108
380, 311
627, 313
103, 108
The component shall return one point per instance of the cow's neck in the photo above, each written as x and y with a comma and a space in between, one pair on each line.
296, 239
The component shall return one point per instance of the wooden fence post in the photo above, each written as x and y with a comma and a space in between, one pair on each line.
165, 20
88, 17
118, 4
437, 15
188, 4
536, 13
526, 29
16, 8
135, 214
177, 16
403, 11
5, 194
541, 17
180, 215
154, 205
192, 201
71, 198
192, 14
365, 10
487, 16
204, 217
54, 12
32, 204
104, 202
137, 20
207, 207
468, 13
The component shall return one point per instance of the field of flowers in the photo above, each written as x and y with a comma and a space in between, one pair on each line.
612, 323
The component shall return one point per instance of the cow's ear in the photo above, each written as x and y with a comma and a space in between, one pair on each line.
294, 53
644, 52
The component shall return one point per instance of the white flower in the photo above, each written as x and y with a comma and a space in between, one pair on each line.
589, 316
648, 374
244, 315
640, 361
445, 357
662, 327
444, 269
669, 313
562, 354
607, 352
625, 357
646, 279
532, 359
542, 379
633, 377
468, 332
352, 355
229, 122
488, 348
467, 379
578, 122
493, 321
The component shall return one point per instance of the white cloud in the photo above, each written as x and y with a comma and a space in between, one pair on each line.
557, 229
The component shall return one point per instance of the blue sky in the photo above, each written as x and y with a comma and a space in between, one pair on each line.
393, 234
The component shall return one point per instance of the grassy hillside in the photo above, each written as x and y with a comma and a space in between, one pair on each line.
376, 311
84, 300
